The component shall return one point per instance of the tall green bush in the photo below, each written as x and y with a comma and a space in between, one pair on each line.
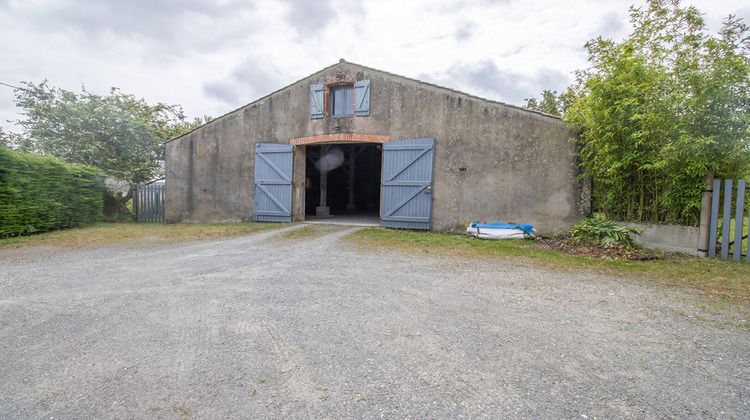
660, 110
39, 194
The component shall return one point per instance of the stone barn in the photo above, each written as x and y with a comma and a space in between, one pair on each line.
351, 140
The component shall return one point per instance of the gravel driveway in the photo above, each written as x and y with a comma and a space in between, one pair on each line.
261, 327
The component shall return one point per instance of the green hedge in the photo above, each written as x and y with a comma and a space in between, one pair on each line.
39, 194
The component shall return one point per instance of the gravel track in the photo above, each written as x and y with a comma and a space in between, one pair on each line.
263, 327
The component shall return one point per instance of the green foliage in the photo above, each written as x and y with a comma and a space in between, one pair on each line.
662, 109
602, 232
39, 194
116, 209
552, 103
4, 139
121, 135
118, 133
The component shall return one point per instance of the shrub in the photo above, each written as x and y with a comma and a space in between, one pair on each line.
116, 208
39, 194
604, 233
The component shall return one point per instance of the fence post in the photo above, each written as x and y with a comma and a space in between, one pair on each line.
135, 203
739, 218
726, 218
714, 218
162, 215
705, 225
150, 200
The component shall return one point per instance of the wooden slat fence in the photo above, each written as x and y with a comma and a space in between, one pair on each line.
149, 203
725, 247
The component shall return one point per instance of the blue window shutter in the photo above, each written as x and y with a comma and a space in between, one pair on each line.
362, 98
316, 101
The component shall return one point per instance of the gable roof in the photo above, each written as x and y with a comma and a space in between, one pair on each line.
349, 63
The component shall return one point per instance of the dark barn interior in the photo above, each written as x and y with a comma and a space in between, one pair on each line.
352, 178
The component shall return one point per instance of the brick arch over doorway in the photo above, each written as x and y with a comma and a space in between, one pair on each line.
340, 138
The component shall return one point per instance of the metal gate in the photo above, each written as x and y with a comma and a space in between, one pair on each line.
408, 169
148, 203
273, 182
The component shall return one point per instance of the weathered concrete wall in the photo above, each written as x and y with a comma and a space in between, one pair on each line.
208, 178
670, 238
494, 162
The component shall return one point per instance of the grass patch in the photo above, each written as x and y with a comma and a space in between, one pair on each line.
715, 277
126, 233
308, 232
448, 244
745, 229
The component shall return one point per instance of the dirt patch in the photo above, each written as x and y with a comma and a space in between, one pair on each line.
565, 244
308, 232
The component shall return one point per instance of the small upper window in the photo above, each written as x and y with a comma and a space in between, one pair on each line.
342, 101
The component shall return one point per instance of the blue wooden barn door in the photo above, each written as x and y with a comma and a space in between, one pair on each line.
273, 182
408, 168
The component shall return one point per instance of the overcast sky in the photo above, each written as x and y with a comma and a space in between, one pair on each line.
214, 56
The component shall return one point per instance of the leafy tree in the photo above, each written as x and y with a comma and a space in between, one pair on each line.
4, 139
661, 109
552, 103
118, 133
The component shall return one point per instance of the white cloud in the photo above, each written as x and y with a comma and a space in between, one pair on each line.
484, 78
214, 56
309, 18
250, 80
